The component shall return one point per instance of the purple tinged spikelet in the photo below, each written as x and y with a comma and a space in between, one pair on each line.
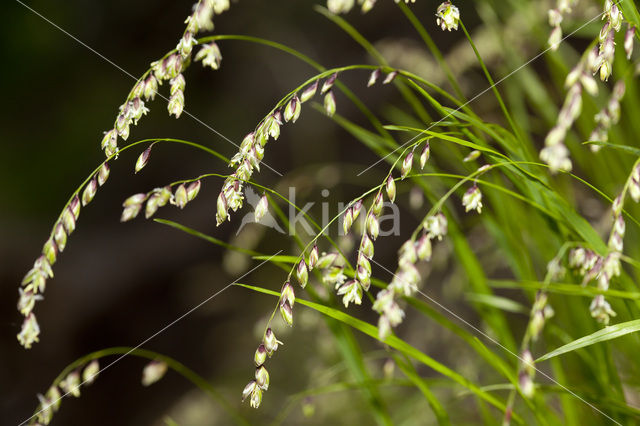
309, 92
270, 342
366, 246
89, 191
347, 220
407, 164
526, 384
249, 389
326, 260
152, 205
302, 273
292, 110
110, 141
150, 88
357, 208
378, 202
103, 174
143, 159
68, 220
330, 104
287, 294
60, 236
628, 41
286, 312
328, 84
193, 189
181, 197
373, 78
262, 378
260, 356
74, 206
130, 212
134, 200
50, 251
313, 257
391, 188
261, 208
390, 77
423, 248
424, 156
373, 226
222, 208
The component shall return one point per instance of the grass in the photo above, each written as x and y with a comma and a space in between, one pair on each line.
520, 306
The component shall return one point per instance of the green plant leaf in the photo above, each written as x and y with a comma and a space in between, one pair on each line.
280, 258
623, 148
607, 333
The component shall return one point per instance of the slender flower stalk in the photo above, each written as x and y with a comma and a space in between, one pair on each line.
598, 59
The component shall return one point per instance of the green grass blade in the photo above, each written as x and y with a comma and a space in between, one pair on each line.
607, 333
623, 148
502, 303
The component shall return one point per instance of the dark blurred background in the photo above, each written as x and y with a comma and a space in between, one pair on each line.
117, 284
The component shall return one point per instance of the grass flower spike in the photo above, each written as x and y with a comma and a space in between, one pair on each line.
448, 16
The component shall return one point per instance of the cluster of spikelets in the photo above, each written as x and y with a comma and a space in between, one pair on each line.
231, 198
70, 385
80, 377
596, 59
184, 192
591, 267
251, 152
602, 269
556, 16
34, 282
168, 68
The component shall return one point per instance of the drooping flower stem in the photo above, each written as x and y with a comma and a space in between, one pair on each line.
33, 285
173, 364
